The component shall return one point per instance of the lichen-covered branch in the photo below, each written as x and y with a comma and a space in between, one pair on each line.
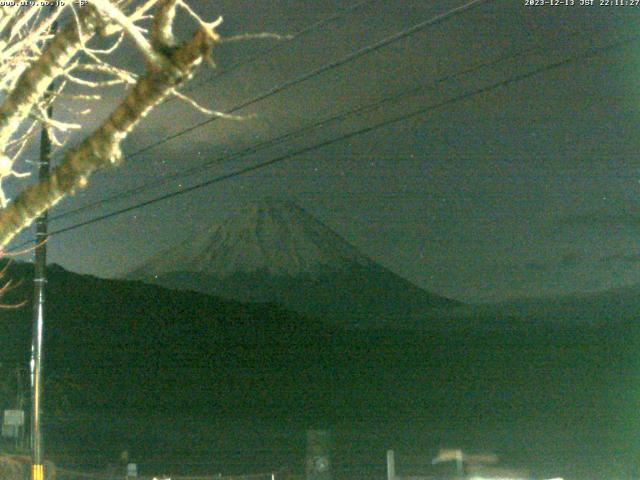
115, 14
162, 32
34, 81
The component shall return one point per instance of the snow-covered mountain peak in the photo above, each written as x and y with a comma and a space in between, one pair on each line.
272, 236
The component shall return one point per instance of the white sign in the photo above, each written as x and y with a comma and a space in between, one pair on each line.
448, 455
132, 470
14, 418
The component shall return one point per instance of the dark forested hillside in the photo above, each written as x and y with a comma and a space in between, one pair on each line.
127, 350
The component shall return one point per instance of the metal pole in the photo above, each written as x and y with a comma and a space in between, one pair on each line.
459, 464
40, 281
391, 465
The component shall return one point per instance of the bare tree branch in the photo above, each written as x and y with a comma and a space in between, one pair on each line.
34, 81
115, 14
102, 148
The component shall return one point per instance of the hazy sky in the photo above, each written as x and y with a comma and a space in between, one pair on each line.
529, 189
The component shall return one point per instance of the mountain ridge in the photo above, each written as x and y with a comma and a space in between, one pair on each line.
277, 252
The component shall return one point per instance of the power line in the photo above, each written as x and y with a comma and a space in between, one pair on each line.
281, 139
238, 155
496, 85
259, 56
324, 68
354, 55
346, 59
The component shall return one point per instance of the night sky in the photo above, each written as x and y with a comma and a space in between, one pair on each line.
526, 190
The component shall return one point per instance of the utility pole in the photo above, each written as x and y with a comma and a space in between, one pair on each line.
40, 282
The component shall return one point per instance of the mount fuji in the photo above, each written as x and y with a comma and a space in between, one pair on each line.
276, 252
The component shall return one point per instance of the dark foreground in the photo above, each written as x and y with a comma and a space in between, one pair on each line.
189, 384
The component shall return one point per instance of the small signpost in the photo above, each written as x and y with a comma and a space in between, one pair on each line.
318, 461
13, 421
13, 425
132, 471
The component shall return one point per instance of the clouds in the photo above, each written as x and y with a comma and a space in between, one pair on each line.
591, 250
599, 219
631, 260
608, 236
